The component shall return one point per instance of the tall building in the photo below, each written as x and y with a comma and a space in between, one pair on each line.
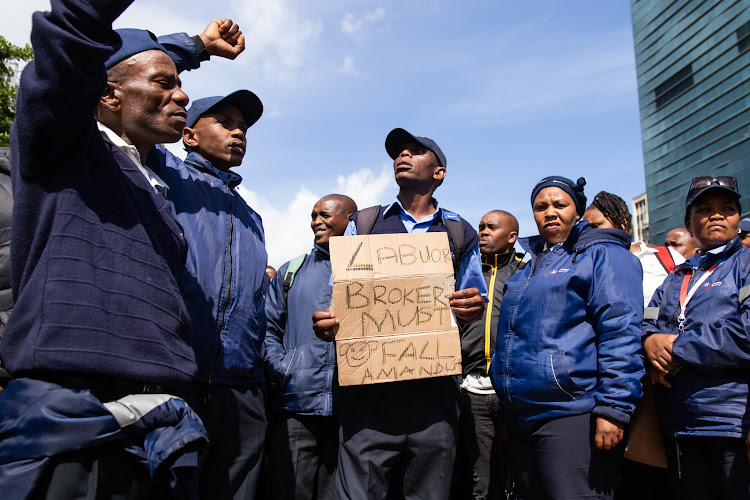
693, 65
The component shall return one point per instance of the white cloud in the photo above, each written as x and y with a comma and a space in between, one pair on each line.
287, 228
353, 24
348, 67
278, 38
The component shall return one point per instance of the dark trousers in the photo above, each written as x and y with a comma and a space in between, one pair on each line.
708, 467
559, 460
481, 452
105, 471
235, 419
398, 440
303, 452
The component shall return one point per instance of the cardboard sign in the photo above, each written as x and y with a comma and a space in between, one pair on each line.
390, 294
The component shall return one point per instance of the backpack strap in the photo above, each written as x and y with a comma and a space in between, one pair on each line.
665, 258
366, 219
455, 229
291, 271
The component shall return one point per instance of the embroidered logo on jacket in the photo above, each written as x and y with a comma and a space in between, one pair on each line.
709, 285
561, 270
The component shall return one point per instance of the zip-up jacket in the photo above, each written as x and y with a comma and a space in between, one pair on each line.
226, 268
96, 256
709, 394
300, 368
478, 339
569, 331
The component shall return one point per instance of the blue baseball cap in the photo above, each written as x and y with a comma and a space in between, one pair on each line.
134, 41
398, 137
246, 101
745, 225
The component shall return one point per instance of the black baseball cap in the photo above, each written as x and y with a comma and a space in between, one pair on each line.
246, 101
398, 137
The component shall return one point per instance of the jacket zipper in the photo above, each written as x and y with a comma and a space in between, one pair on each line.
488, 315
509, 344
229, 290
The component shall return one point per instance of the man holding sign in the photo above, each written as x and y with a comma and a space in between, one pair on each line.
406, 431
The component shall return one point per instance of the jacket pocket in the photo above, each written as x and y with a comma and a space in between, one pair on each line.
288, 370
558, 372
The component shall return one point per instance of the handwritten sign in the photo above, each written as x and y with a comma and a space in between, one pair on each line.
390, 294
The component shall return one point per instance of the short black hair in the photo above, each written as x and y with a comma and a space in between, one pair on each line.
613, 208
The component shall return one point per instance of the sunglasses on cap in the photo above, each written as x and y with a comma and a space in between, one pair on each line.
706, 181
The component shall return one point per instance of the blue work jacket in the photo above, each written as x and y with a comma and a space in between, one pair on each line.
300, 368
224, 279
709, 394
568, 335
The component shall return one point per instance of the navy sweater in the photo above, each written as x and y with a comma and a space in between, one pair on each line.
96, 254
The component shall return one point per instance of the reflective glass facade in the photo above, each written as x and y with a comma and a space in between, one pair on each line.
693, 65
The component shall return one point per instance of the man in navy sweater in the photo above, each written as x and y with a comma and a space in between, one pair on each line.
96, 253
223, 285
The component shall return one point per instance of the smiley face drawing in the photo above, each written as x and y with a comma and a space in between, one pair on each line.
357, 353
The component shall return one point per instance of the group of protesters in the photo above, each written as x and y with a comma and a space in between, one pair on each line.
150, 352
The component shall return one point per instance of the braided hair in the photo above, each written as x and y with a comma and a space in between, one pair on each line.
613, 208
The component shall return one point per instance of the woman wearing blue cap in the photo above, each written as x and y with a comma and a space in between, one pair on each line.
697, 347
566, 367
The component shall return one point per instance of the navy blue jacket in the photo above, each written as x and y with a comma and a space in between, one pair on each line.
569, 331
300, 368
42, 420
226, 268
96, 255
709, 395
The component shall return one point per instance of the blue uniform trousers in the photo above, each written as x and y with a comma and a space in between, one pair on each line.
558, 459
398, 439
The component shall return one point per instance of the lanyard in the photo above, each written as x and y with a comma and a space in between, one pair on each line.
686, 295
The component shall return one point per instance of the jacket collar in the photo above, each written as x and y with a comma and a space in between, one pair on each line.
325, 254
197, 161
499, 260
697, 260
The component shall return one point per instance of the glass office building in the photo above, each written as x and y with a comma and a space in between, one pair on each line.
693, 65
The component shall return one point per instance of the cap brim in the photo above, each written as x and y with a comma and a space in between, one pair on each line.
247, 102
691, 199
396, 139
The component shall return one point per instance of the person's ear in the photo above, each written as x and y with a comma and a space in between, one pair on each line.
110, 99
512, 237
439, 173
188, 137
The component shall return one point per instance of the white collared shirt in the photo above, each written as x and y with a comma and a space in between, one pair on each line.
132, 152
653, 272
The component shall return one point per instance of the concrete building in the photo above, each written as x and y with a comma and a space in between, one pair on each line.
640, 218
693, 66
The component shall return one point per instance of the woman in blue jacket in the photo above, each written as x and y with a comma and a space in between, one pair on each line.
697, 346
566, 367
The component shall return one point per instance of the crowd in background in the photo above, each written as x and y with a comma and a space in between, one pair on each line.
151, 352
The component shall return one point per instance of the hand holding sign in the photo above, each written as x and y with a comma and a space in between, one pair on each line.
324, 325
467, 304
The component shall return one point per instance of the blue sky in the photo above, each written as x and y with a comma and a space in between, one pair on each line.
511, 91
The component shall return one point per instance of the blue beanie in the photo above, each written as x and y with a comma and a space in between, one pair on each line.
574, 190
134, 41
